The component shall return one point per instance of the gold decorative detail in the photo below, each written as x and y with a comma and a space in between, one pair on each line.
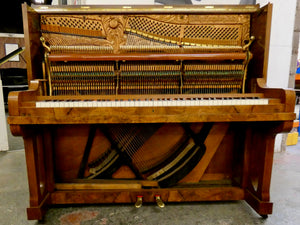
47, 48
246, 47
113, 24
114, 27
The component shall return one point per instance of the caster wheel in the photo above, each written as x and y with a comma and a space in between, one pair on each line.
264, 216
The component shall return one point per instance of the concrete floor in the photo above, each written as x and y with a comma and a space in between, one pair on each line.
285, 193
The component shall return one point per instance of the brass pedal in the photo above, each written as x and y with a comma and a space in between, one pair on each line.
139, 202
159, 202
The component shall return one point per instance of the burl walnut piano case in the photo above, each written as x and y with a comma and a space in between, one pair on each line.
148, 104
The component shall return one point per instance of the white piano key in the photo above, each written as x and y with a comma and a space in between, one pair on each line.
204, 102
264, 101
217, 102
114, 104
229, 102
233, 101
188, 102
100, 103
81, 104
160, 102
252, 101
197, 102
240, 101
150, 103
146, 103
210, 101
76, 104
107, 103
61, 104
71, 104
172, 102
94, 103
64, 104
54, 104
121, 103
167, 102
45, 104
84, 104
143, 103
179, 102
256, 101
249, 101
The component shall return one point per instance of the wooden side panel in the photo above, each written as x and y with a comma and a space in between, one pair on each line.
260, 29
33, 53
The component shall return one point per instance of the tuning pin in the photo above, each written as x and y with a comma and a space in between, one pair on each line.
139, 201
159, 202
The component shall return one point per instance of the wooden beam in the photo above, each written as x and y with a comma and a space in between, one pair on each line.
212, 143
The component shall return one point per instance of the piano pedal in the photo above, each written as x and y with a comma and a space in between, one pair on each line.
139, 201
159, 202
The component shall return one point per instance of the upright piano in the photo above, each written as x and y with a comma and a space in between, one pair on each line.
148, 104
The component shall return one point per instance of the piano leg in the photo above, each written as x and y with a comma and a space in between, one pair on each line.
258, 161
40, 176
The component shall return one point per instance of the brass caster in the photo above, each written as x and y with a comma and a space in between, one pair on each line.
159, 202
139, 202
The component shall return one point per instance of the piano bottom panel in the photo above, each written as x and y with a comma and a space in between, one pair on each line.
179, 162
157, 152
130, 196
149, 196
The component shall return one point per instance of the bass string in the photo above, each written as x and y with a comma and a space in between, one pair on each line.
131, 138
123, 135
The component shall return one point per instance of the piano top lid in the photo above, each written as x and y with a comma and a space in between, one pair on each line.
67, 9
